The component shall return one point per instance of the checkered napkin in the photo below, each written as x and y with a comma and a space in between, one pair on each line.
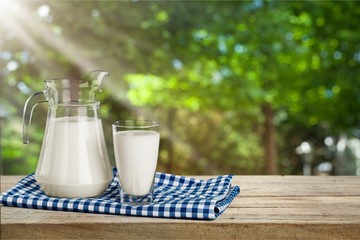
174, 197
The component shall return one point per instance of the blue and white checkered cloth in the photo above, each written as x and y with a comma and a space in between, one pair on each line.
174, 197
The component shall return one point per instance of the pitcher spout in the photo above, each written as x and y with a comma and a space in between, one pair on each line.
94, 78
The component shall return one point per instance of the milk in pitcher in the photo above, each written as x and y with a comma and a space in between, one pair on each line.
73, 162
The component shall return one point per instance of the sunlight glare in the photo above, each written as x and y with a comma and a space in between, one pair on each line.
37, 33
8, 9
44, 13
12, 66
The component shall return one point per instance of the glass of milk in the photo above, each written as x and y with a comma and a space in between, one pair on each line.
136, 146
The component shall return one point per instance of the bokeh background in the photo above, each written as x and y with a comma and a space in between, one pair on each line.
241, 87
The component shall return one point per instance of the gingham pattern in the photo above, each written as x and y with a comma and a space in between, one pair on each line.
174, 197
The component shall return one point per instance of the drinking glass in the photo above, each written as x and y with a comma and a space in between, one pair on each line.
136, 146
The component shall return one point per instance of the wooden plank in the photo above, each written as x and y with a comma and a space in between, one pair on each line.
293, 186
273, 185
231, 215
334, 202
181, 230
62, 225
8, 182
269, 207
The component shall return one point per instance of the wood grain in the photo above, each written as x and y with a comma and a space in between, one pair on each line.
268, 207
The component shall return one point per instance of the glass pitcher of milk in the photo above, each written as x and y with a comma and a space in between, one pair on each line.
73, 161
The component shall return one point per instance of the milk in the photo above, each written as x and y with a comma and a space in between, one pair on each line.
73, 160
136, 154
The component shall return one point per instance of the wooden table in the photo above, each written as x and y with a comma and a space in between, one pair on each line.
268, 207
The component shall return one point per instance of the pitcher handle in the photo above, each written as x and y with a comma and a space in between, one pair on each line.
29, 107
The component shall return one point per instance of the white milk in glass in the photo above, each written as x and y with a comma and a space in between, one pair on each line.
72, 161
136, 157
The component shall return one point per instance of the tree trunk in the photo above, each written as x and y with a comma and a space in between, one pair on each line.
171, 118
269, 140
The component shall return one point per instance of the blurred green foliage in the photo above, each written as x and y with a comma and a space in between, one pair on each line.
205, 70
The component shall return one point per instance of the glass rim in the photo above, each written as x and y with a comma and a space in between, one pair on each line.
136, 123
